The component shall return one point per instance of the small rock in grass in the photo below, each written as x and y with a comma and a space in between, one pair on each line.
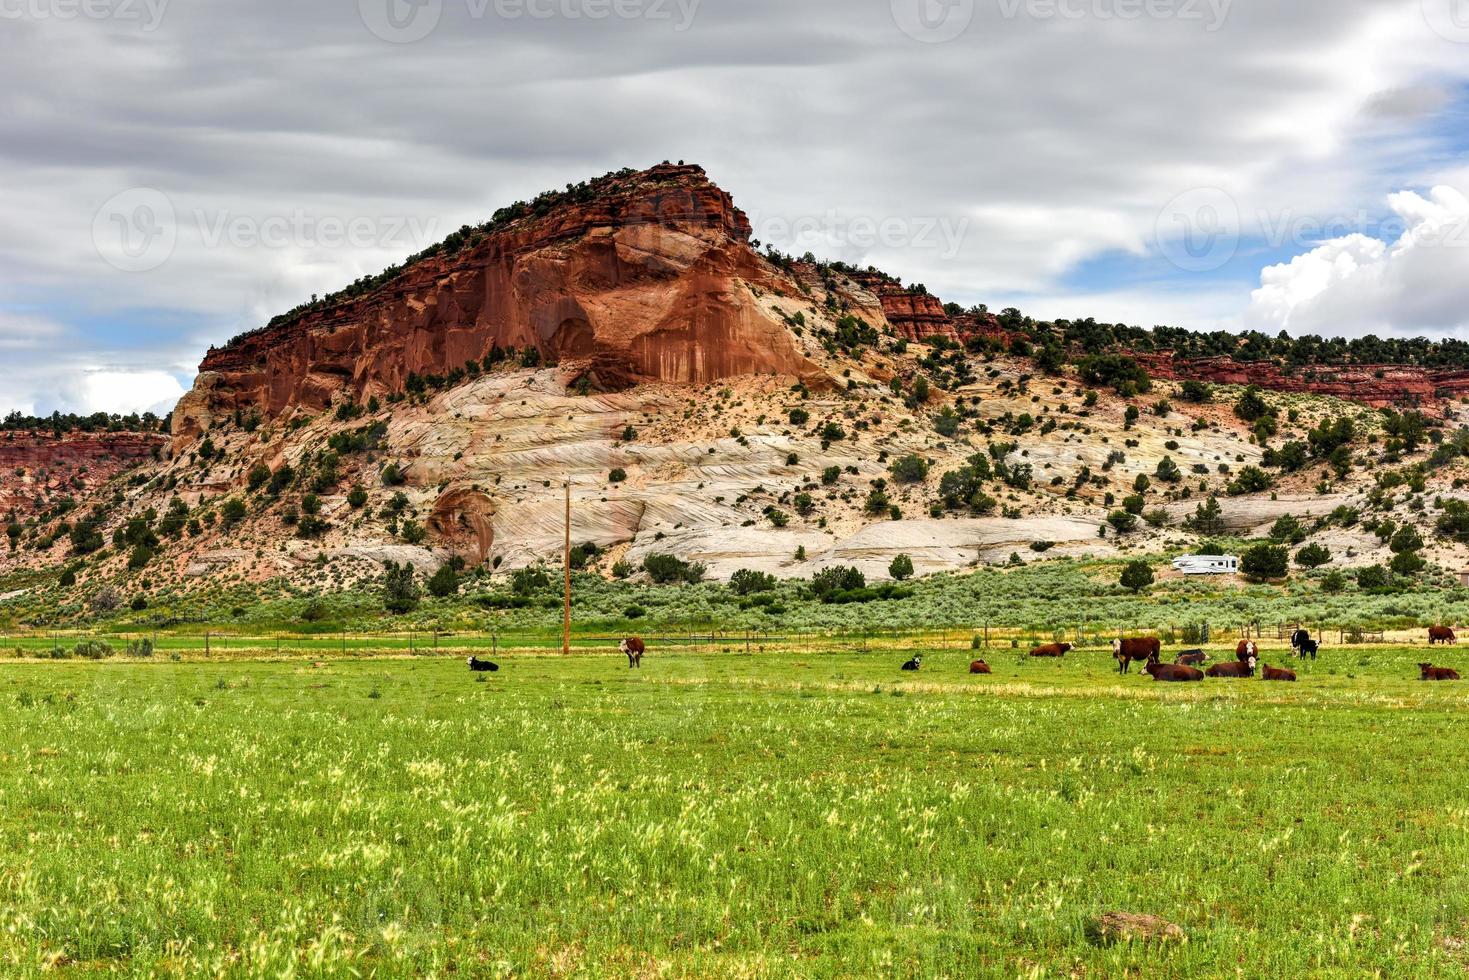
1124, 927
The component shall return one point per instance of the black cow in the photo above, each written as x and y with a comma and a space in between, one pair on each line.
482, 666
1303, 645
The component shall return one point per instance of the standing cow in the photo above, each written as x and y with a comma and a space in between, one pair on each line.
1303, 645
634, 648
1442, 634
1141, 650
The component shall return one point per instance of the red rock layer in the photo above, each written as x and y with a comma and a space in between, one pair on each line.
648, 281
40, 465
1380, 385
916, 316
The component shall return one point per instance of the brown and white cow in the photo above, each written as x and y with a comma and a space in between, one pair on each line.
634, 648
1245, 649
1140, 650
1245, 668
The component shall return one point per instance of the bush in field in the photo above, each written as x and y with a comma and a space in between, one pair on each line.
1265, 562
530, 580
910, 469
1122, 521
1288, 530
668, 570
902, 568
1208, 518
400, 590
1137, 576
747, 582
1373, 577
1313, 556
444, 582
839, 578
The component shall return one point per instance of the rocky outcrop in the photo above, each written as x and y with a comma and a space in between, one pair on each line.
914, 315
1379, 385
650, 279
40, 465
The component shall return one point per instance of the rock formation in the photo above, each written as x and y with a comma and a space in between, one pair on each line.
650, 279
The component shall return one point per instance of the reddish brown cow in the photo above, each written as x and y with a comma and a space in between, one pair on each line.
1052, 650
1278, 674
1193, 658
979, 667
1173, 673
634, 648
1245, 668
1141, 650
1246, 648
1432, 673
1441, 634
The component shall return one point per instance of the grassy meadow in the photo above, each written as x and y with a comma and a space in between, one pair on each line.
728, 816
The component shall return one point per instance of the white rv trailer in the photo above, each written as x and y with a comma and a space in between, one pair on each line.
1207, 565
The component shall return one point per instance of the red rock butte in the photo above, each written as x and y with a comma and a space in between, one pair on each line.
647, 276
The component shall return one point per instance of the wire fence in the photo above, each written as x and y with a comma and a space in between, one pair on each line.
60, 644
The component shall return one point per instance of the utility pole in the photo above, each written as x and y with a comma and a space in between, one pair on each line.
566, 560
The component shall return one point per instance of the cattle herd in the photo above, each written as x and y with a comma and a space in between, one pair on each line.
1148, 651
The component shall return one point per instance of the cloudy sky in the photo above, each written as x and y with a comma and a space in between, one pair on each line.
177, 171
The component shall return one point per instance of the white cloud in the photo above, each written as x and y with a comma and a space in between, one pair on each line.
1356, 284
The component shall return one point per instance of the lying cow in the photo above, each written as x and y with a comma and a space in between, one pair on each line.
1277, 674
1432, 673
1052, 650
1303, 645
979, 667
914, 664
482, 666
1245, 668
1192, 658
1442, 634
1141, 650
1173, 673
634, 649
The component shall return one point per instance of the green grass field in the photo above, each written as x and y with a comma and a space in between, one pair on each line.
728, 816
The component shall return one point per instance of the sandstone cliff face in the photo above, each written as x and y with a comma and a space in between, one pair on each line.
1379, 385
654, 280
36, 465
916, 316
